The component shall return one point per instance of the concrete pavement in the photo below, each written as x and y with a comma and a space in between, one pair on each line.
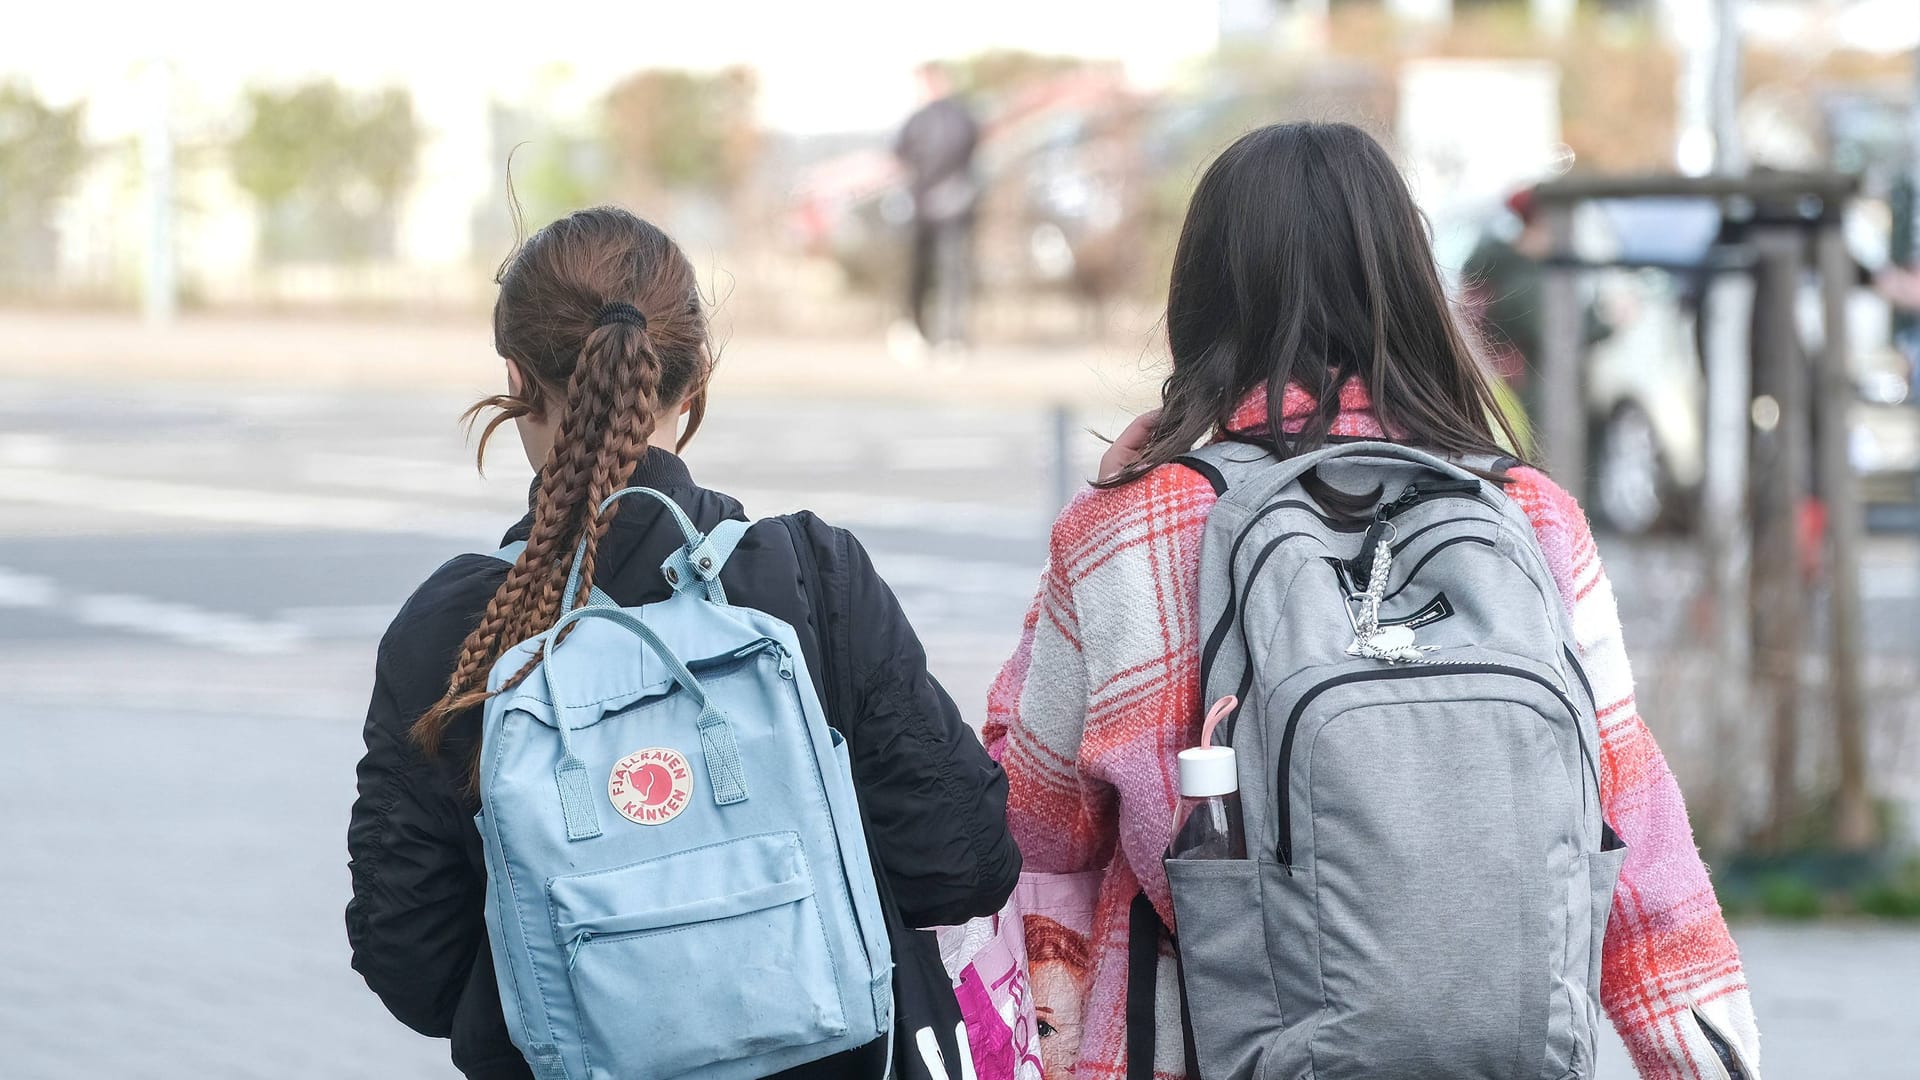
172, 910
192, 577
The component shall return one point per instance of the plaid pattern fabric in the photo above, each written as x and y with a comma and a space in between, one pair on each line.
1104, 690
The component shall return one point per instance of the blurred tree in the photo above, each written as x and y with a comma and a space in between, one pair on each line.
41, 154
547, 169
683, 131
328, 169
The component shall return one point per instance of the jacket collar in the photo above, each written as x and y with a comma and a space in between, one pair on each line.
660, 469
1355, 419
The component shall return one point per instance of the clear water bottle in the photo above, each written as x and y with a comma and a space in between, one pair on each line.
1207, 824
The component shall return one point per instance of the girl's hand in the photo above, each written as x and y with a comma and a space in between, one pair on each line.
1126, 449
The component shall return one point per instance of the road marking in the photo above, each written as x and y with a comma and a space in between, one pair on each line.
957, 577
855, 510
25, 590
240, 506
939, 592
29, 450
185, 623
413, 476
937, 453
444, 483
342, 622
792, 450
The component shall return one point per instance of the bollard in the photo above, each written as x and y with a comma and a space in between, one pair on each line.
1778, 474
1725, 542
1065, 482
1854, 827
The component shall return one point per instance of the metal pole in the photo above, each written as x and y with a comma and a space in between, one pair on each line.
1690, 32
1723, 499
1562, 432
1911, 256
1911, 260
1065, 483
159, 293
1780, 614
1854, 825
1729, 156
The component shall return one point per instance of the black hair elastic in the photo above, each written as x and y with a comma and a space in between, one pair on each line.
619, 311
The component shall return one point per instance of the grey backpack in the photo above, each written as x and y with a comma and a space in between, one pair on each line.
1429, 875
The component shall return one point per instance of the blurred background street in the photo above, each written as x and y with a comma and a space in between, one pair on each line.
245, 276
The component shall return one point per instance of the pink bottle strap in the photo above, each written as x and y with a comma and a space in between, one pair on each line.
1220, 711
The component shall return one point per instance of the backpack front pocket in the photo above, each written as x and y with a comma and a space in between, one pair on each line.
699, 957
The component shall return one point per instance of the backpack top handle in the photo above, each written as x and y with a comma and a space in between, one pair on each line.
697, 564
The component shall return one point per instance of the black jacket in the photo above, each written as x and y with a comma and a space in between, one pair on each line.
935, 804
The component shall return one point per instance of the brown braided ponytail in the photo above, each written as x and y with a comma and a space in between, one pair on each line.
609, 379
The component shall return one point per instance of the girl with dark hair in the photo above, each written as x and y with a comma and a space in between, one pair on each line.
1304, 307
604, 335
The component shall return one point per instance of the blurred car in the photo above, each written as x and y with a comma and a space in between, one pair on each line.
1645, 385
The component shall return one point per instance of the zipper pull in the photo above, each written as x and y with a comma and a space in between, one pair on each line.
573, 947
1367, 561
786, 663
1408, 496
1418, 493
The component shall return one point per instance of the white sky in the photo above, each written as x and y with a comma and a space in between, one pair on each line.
825, 65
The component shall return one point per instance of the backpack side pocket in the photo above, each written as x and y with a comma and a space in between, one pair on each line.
1224, 964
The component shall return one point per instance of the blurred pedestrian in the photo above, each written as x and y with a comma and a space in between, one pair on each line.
604, 337
1899, 280
936, 147
1304, 310
1505, 280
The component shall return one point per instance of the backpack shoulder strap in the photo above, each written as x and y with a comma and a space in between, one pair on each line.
699, 565
1144, 932
511, 554
913, 990
1213, 475
1227, 464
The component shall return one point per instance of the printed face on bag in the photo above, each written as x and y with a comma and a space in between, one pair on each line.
651, 786
1061, 967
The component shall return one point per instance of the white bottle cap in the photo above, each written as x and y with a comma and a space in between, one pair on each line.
1206, 771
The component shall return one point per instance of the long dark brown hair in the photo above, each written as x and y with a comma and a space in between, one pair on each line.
604, 382
1304, 260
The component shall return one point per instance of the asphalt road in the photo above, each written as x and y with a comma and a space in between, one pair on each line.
191, 583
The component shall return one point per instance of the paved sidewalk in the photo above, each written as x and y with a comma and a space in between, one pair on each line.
304, 352
171, 911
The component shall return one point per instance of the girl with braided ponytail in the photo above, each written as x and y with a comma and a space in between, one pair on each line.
604, 337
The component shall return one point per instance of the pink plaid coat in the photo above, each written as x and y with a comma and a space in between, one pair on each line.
1104, 690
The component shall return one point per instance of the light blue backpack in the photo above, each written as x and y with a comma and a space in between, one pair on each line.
678, 884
